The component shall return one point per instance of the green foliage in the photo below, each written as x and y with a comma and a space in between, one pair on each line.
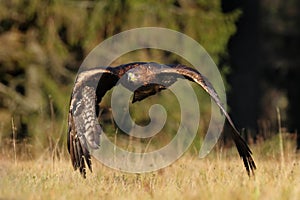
44, 42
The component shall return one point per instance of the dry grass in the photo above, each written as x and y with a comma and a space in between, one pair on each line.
219, 176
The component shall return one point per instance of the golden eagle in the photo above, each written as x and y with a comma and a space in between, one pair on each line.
150, 78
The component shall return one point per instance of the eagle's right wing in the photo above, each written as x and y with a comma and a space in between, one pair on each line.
84, 129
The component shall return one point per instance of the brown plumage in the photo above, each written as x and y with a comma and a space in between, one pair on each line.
148, 79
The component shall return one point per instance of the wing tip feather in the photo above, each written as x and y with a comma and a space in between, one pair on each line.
245, 153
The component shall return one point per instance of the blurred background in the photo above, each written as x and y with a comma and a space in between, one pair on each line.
42, 44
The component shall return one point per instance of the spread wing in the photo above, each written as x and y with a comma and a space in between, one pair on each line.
91, 85
83, 126
84, 129
195, 76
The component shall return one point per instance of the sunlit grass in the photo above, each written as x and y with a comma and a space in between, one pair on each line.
220, 175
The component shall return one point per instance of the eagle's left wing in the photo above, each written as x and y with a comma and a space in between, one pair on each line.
197, 77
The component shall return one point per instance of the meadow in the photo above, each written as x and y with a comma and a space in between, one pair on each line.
220, 175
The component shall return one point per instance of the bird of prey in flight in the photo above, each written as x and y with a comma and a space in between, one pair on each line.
143, 79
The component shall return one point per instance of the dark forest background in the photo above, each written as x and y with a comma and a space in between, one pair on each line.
265, 65
42, 44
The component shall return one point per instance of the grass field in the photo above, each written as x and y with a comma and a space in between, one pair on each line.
220, 175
